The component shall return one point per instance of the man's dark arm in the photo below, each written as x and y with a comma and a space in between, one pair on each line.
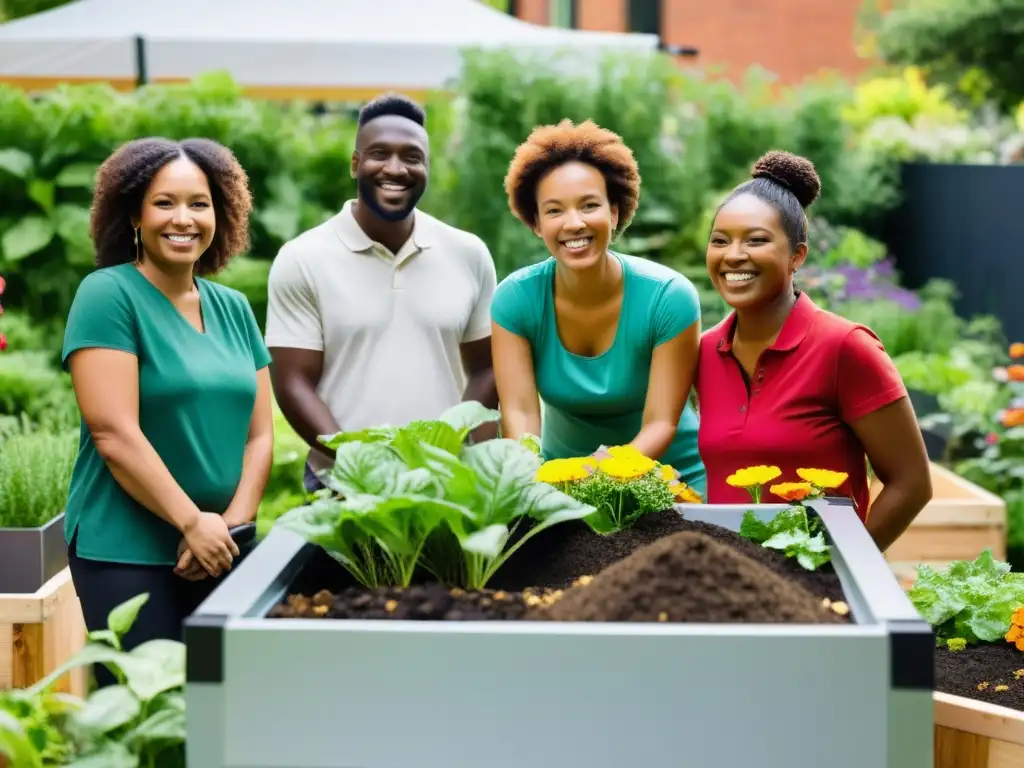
476, 358
295, 374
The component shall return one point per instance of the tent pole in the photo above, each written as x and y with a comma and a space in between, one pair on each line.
141, 77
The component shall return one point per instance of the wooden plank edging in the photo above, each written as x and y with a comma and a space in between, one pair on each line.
979, 717
36, 608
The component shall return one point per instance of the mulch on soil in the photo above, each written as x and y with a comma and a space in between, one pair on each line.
689, 577
983, 672
561, 554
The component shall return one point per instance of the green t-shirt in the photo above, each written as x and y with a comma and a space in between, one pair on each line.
594, 401
196, 397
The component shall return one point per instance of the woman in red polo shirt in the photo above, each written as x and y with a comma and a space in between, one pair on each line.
785, 383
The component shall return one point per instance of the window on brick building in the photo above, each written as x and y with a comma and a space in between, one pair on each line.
645, 16
562, 13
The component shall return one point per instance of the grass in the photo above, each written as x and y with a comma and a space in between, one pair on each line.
35, 469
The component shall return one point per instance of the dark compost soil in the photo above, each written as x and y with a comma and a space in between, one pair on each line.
561, 554
992, 672
707, 574
689, 577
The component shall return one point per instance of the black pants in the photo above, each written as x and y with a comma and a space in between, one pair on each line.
102, 586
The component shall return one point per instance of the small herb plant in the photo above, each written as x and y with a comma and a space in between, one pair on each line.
792, 531
622, 488
970, 600
402, 497
35, 469
138, 723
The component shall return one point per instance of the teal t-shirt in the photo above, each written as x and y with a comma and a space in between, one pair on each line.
594, 401
197, 392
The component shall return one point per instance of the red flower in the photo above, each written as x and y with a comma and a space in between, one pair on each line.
3, 284
991, 438
3, 342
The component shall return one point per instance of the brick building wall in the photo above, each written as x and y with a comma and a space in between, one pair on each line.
791, 38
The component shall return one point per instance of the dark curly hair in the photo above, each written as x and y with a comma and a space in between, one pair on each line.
124, 177
787, 182
552, 145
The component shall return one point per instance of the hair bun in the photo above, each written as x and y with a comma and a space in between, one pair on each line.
795, 173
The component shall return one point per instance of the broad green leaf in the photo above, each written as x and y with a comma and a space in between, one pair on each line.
372, 435
548, 505
107, 636
754, 528
29, 235
373, 468
505, 472
81, 175
93, 653
109, 754
487, 542
467, 416
72, 224
43, 193
154, 667
108, 708
16, 162
15, 744
123, 616
164, 727
409, 438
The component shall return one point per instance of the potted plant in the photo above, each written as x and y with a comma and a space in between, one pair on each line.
35, 469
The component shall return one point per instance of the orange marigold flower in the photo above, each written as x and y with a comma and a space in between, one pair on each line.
1017, 350
1013, 417
1015, 372
792, 491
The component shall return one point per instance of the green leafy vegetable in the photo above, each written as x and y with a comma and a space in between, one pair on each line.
415, 495
790, 532
972, 600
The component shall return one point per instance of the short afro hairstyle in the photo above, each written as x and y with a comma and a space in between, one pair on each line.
787, 182
124, 177
392, 104
550, 146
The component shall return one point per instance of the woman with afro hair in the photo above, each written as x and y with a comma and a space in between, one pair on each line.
607, 341
170, 373
784, 383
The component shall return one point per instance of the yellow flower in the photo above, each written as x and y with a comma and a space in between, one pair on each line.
627, 452
561, 471
626, 469
792, 491
750, 477
823, 478
667, 473
684, 493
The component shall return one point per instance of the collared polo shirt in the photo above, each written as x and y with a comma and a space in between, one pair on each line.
390, 325
822, 374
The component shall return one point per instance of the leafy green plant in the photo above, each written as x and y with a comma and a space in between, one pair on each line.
400, 487
137, 723
792, 532
972, 600
35, 469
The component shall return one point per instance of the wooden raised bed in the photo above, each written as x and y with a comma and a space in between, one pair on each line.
975, 734
959, 523
39, 632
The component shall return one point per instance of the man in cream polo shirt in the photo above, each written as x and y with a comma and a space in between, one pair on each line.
381, 314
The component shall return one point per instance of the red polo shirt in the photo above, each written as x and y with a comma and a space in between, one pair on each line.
821, 375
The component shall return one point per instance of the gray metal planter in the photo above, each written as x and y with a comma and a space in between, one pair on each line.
504, 694
30, 557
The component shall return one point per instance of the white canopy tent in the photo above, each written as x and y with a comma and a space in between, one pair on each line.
316, 48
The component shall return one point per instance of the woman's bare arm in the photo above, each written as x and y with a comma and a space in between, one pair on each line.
517, 387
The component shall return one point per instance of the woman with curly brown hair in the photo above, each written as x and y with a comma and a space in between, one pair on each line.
607, 341
171, 377
784, 383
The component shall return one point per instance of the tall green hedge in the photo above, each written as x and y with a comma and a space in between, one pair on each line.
693, 139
